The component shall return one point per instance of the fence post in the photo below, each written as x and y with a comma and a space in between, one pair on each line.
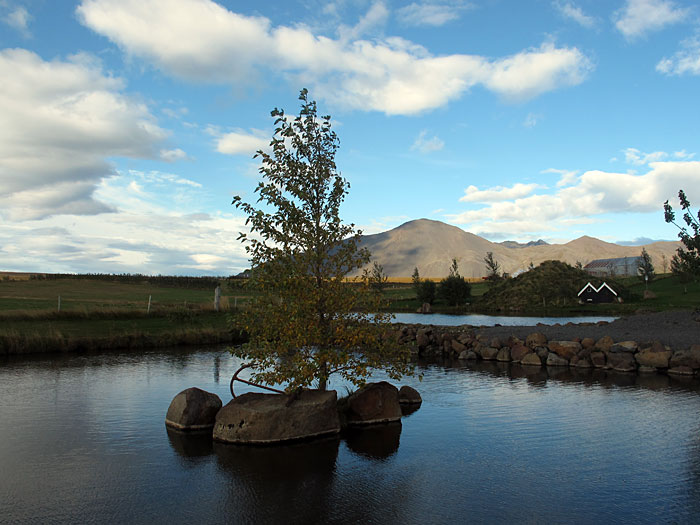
217, 298
59, 303
149, 305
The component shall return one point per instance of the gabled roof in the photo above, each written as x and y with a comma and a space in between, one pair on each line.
618, 261
596, 290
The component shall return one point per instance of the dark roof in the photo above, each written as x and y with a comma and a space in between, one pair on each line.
618, 261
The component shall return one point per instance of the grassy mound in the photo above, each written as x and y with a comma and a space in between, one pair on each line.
552, 283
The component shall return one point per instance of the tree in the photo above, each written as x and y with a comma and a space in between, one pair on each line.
454, 289
664, 263
645, 268
493, 269
427, 291
376, 277
685, 262
415, 279
305, 323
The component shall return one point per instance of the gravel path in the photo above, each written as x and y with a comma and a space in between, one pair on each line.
678, 329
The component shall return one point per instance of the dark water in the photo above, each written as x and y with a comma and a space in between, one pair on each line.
82, 440
492, 320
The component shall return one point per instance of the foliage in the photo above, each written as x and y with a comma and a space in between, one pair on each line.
454, 289
376, 277
686, 262
415, 279
493, 269
427, 291
645, 269
552, 283
305, 322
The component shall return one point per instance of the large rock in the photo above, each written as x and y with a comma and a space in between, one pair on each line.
536, 339
624, 346
503, 354
457, 346
256, 418
565, 349
622, 362
489, 353
604, 343
598, 359
518, 352
531, 360
409, 396
656, 355
193, 409
689, 358
373, 403
556, 360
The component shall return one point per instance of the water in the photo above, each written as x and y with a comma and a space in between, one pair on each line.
492, 320
83, 440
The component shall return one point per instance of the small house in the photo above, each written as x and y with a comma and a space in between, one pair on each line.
602, 294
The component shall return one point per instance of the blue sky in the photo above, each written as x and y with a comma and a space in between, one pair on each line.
126, 126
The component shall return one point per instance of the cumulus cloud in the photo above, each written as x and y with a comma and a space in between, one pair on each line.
573, 12
639, 158
638, 17
687, 60
142, 235
566, 177
431, 13
425, 144
172, 155
61, 120
241, 142
498, 193
595, 193
18, 18
201, 41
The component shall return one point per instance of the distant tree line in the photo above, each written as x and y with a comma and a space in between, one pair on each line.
173, 281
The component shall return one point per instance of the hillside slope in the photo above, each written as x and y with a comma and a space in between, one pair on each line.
431, 245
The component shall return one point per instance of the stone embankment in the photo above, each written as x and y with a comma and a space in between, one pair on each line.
535, 349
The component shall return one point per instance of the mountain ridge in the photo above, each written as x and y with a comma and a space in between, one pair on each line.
430, 246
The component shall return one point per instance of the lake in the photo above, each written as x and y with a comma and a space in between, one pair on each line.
83, 440
493, 320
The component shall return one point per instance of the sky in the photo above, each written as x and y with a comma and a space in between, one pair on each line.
127, 126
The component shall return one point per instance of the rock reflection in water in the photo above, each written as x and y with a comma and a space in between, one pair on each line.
273, 483
375, 442
190, 444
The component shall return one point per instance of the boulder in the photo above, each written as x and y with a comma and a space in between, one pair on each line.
681, 371
425, 308
467, 355
689, 357
565, 349
503, 354
622, 362
598, 359
496, 342
588, 342
518, 352
193, 409
373, 403
556, 360
409, 396
604, 343
422, 339
489, 353
624, 346
531, 359
582, 362
656, 356
256, 418
536, 339
457, 346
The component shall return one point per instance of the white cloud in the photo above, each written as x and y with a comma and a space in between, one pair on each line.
570, 10
687, 60
424, 144
201, 41
375, 16
596, 193
498, 193
431, 13
639, 158
61, 120
638, 17
172, 155
143, 236
18, 18
566, 177
241, 142
531, 120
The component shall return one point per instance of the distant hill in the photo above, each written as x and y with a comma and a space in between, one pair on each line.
515, 244
431, 245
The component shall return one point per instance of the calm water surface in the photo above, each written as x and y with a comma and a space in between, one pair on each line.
492, 320
83, 440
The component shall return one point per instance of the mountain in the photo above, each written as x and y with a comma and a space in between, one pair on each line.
515, 244
431, 245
